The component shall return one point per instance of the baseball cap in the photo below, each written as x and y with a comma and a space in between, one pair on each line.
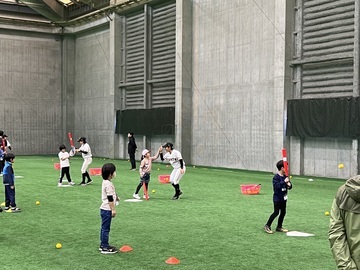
168, 144
145, 151
81, 139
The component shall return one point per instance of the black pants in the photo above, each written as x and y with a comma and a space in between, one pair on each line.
279, 207
132, 160
9, 196
65, 171
2, 165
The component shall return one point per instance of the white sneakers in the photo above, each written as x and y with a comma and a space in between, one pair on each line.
136, 196
59, 184
144, 197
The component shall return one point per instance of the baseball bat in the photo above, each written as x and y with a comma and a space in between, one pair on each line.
286, 164
71, 139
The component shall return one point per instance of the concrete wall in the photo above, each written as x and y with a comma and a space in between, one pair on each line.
30, 91
321, 157
94, 98
239, 78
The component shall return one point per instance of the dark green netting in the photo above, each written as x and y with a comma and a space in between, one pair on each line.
328, 117
159, 121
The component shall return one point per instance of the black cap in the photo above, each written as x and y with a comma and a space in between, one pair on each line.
82, 139
168, 144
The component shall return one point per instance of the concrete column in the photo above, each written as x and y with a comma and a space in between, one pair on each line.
116, 146
355, 152
68, 86
183, 80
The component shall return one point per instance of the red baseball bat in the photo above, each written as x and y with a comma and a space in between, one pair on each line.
71, 139
3, 144
286, 164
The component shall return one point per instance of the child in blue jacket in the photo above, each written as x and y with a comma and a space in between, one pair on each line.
281, 184
9, 183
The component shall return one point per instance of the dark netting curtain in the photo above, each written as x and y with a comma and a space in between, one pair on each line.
328, 117
159, 121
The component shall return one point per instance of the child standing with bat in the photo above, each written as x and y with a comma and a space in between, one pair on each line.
85, 151
64, 157
145, 170
281, 184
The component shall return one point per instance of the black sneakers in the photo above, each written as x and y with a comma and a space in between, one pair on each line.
89, 182
176, 197
108, 250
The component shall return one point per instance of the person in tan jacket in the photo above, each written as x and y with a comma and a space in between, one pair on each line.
344, 231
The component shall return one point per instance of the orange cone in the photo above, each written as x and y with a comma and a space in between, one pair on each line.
125, 248
172, 260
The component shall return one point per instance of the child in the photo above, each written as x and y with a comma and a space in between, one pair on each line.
281, 184
7, 143
85, 150
145, 170
176, 160
107, 208
9, 183
64, 165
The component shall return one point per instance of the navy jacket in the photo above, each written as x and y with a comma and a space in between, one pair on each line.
8, 174
280, 188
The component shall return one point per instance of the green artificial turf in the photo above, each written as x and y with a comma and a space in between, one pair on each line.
213, 225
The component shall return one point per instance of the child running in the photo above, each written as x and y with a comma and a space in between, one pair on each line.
64, 165
145, 170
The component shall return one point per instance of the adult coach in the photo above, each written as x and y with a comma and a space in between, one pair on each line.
131, 150
344, 231
85, 151
179, 169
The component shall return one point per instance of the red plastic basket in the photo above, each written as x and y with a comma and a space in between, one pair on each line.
57, 166
95, 171
251, 189
164, 179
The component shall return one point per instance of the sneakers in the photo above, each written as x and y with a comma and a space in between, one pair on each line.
175, 197
89, 182
144, 197
15, 209
133, 170
59, 184
108, 250
180, 193
7, 208
268, 230
136, 196
82, 184
71, 183
281, 230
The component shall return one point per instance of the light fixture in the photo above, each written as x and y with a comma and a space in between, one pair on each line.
66, 2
